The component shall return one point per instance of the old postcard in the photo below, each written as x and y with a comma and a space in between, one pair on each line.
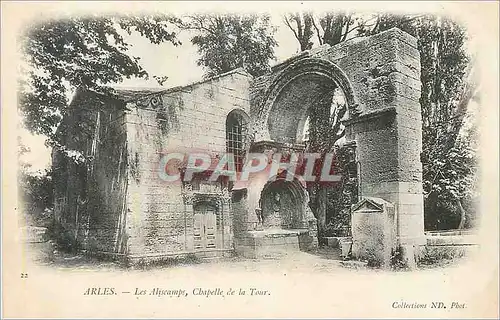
249, 160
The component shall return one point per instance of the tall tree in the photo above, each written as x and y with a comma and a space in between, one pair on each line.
229, 41
448, 86
329, 27
79, 52
302, 28
325, 118
35, 190
325, 115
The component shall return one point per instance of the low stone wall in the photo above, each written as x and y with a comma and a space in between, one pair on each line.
437, 240
447, 246
450, 232
273, 244
443, 242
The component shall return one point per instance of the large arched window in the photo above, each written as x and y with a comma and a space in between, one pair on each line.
236, 132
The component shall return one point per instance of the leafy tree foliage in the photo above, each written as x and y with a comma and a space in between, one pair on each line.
226, 42
79, 52
35, 191
336, 27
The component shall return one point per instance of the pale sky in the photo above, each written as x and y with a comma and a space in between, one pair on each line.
161, 59
178, 63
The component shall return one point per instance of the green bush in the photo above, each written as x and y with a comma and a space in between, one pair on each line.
441, 255
63, 239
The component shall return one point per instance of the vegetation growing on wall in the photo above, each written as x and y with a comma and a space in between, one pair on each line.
327, 200
167, 114
343, 195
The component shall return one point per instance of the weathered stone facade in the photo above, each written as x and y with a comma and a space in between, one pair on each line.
128, 211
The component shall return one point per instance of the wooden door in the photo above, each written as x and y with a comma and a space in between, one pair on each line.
205, 227
198, 231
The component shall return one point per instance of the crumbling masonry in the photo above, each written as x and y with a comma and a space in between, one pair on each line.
115, 204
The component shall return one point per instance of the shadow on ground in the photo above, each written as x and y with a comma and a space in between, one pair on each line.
327, 253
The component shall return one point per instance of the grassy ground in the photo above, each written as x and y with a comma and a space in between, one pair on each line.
323, 259
320, 260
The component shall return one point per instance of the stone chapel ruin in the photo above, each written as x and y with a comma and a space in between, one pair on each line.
115, 205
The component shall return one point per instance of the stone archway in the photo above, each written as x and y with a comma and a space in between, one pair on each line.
306, 90
300, 82
381, 73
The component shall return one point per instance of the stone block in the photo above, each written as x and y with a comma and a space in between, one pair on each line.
416, 200
307, 241
412, 208
332, 242
411, 228
372, 231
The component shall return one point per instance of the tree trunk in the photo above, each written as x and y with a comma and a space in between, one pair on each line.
462, 215
321, 211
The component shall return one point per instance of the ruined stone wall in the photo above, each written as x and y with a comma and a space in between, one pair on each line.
160, 214
106, 209
90, 189
380, 77
70, 177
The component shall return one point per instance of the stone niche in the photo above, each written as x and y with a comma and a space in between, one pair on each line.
286, 227
373, 231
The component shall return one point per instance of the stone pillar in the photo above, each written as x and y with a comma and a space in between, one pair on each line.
388, 131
